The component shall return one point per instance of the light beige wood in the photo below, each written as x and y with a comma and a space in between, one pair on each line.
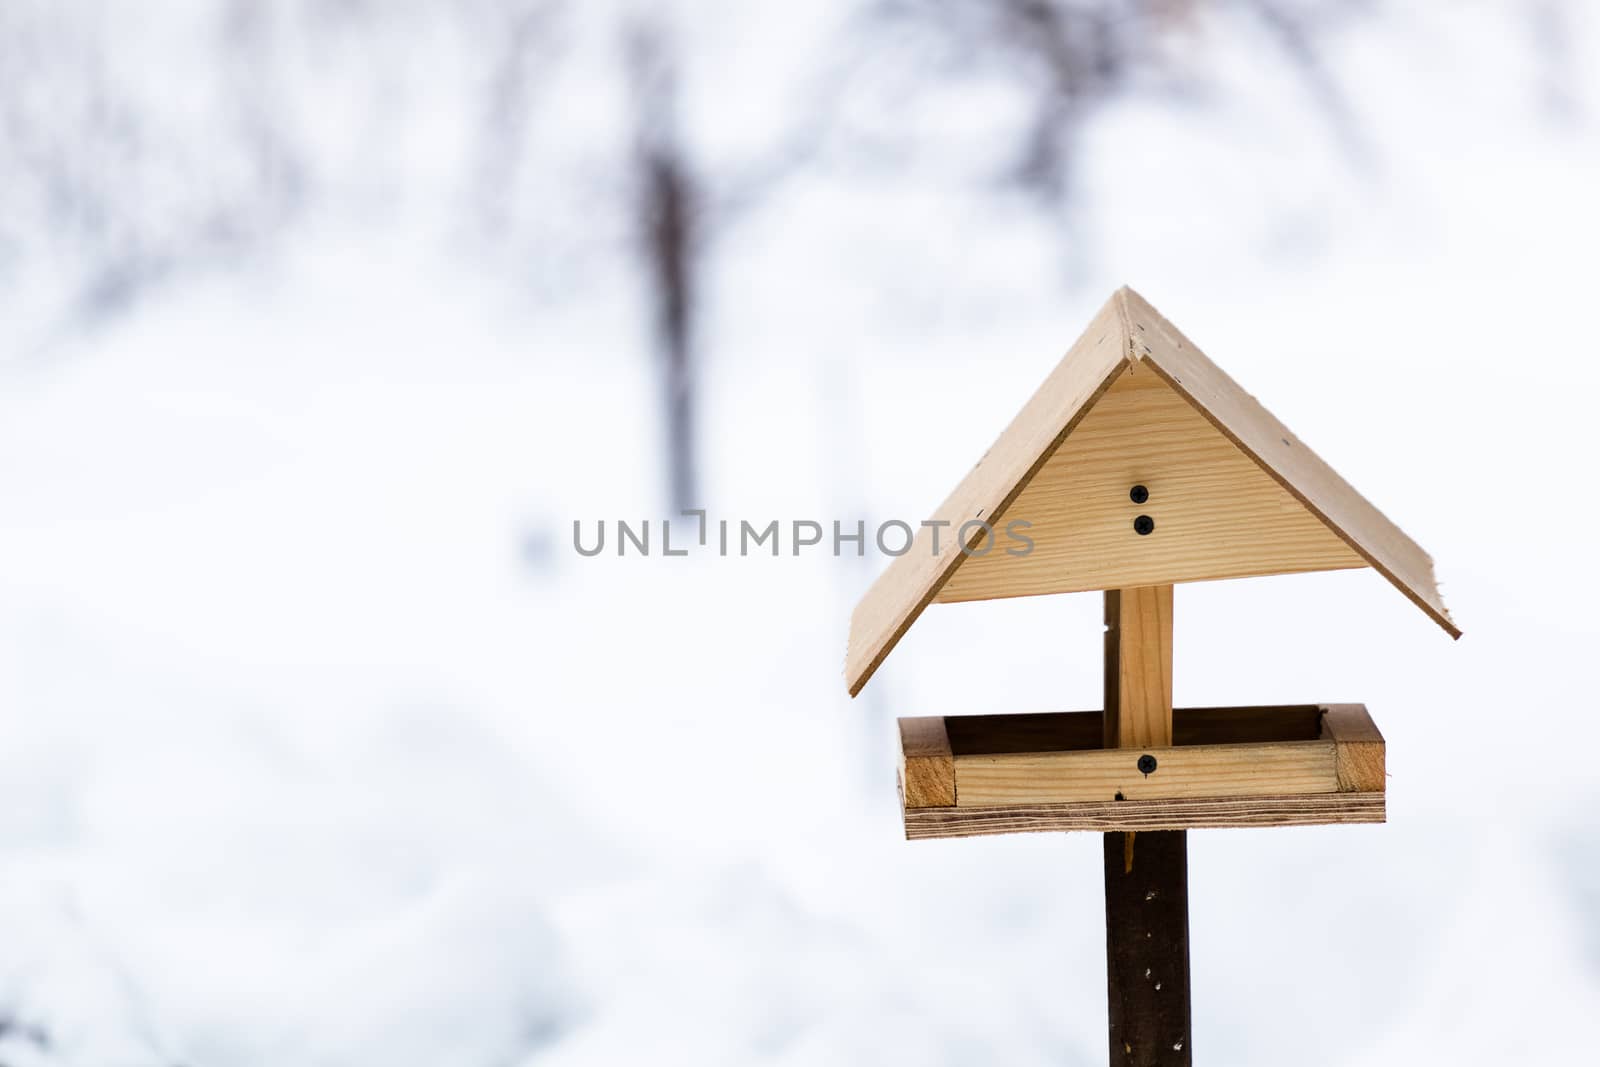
911, 581
1217, 513
927, 769
1052, 769
1265, 769
1299, 470
1138, 669
1129, 335
1138, 678
1312, 809
1359, 747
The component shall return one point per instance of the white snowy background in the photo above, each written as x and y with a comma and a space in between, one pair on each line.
320, 322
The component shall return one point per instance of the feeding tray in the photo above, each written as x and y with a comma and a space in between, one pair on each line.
1298, 765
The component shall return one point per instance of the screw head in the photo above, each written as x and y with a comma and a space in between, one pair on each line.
1143, 525
1147, 765
1138, 494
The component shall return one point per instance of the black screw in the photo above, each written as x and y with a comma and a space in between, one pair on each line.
1143, 525
1147, 765
1138, 494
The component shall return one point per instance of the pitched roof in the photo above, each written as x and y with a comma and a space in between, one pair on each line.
1126, 334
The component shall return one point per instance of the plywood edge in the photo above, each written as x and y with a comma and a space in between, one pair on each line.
1314, 809
927, 768
1359, 759
909, 584
1364, 528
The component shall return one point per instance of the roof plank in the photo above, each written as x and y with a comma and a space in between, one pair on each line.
912, 580
1272, 445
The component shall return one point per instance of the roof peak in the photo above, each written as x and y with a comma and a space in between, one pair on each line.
1127, 333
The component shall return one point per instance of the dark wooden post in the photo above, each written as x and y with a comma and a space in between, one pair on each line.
1147, 879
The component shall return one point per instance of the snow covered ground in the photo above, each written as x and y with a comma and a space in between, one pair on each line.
319, 744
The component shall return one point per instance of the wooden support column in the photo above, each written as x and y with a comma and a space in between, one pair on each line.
1139, 667
1147, 881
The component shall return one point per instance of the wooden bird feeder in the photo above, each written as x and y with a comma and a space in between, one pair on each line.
1139, 464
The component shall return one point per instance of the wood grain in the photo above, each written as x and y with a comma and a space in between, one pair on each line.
1018, 767
1217, 513
1266, 769
927, 770
911, 581
1269, 442
1146, 873
1358, 748
1312, 809
1138, 668
1129, 337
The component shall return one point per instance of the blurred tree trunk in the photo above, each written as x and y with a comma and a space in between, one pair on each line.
669, 243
